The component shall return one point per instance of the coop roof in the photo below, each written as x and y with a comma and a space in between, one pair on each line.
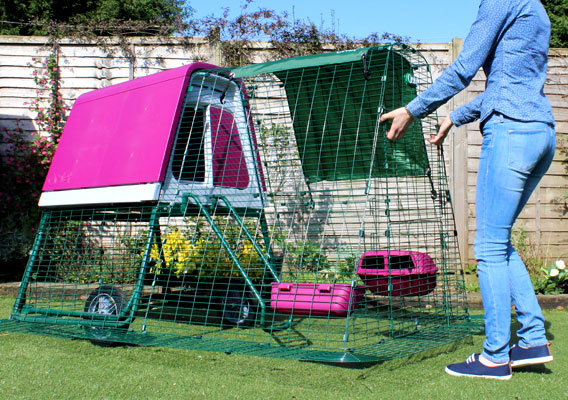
335, 100
122, 134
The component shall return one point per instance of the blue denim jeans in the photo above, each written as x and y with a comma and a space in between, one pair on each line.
514, 157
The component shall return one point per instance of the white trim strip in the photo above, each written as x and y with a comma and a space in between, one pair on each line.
102, 195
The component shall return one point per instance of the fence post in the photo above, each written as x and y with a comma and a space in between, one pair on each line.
215, 47
132, 62
459, 165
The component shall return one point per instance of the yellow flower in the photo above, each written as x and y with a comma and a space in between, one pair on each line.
206, 256
176, 253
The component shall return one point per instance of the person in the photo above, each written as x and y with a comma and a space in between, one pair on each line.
509, 39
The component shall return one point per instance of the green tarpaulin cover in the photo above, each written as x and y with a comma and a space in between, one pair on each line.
335, 100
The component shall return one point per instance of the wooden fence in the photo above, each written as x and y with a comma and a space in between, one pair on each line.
85, 67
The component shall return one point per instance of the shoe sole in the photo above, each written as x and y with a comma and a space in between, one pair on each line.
531, 361
501, 378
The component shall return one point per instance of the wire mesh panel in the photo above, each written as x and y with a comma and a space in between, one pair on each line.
287, 225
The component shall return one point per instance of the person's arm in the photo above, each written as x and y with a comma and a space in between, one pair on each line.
443, 130
492, 16
468, 112
464, 115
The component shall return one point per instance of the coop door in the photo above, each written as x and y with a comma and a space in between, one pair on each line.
215, 150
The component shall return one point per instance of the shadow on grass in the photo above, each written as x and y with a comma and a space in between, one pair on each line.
535, 369
515, 326
391, 365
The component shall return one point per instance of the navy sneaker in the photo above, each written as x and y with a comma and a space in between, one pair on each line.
474, 368
533, 355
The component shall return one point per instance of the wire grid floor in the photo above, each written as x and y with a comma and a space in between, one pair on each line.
387, 349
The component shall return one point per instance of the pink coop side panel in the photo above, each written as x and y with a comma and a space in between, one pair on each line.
122, 134
253, 135
229, 164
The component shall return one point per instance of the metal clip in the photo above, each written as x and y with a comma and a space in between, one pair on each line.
433, 192
366, 72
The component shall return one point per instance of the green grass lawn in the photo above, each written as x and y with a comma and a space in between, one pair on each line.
36, 367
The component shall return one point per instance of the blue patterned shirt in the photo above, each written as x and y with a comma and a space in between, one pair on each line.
509, 39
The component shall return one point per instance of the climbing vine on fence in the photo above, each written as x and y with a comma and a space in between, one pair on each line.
48, 104
26, 158
288, 36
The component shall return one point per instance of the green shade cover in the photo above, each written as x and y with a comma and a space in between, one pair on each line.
335, 103
286, 64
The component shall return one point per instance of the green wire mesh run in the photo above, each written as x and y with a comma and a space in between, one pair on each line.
287, 226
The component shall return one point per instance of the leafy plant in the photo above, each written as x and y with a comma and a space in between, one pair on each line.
48, 105
35, 17
341, 270
198, 251
558, 13
280, 155
308, 260
531, 254
470, 269
21, 176
561, 202
73, 251
472, 287
288, 36
307, 255
26, 159
553, 279
70, 255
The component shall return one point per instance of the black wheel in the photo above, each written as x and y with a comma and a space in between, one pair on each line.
107, 300
238, 307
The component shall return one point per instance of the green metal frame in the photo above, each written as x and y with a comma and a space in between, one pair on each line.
203, 274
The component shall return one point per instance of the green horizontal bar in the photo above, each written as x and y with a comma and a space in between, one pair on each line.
80, 322
69, 313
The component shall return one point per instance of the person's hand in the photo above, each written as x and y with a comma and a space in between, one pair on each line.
401, 121
445, 127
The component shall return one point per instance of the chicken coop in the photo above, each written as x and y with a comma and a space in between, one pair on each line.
257, 210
